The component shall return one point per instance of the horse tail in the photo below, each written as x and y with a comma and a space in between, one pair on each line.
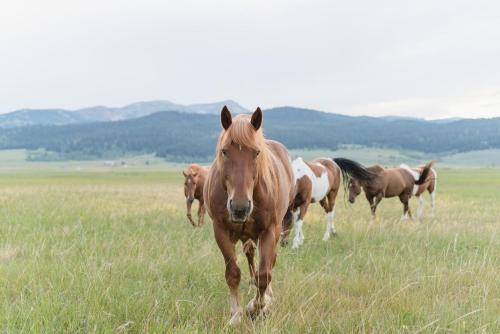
352, 169
425, 173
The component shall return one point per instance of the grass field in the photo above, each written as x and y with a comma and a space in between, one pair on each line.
111, 251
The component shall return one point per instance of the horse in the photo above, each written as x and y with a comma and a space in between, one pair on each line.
194, 179
248, 190
429, 185
387, 183
316, 181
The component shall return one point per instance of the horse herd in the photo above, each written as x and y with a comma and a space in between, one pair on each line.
255, 194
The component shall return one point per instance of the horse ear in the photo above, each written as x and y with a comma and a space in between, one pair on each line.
256, 119
226, 118
194, 174
184, 173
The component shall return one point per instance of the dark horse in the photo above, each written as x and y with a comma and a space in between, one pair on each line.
247, 193
387, 182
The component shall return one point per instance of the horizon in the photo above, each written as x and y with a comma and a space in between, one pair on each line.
250, 110
338, 57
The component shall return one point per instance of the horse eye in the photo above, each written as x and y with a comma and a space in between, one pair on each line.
257, 152
224, 153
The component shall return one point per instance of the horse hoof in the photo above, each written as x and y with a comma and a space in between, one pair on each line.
254, 312
235, 319
326, 237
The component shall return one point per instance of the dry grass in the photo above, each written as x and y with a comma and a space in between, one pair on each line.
112, 252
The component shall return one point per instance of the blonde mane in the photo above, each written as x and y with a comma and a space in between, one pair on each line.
241, 132
193, 169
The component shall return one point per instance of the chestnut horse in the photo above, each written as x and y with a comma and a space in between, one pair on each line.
247, 193
194, 179
429, 185
388, 182
315, 181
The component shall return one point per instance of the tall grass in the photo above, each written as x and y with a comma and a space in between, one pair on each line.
113, 252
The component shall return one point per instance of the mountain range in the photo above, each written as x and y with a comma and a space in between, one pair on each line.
30, 117
188, 136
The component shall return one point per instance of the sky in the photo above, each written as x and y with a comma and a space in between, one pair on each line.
429, 59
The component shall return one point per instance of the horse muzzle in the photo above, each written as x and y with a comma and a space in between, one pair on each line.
239, 213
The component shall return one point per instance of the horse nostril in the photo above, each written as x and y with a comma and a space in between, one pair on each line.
231, 204
249, 205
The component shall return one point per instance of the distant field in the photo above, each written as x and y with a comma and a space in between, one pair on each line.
390, 157
110, 250
16, 160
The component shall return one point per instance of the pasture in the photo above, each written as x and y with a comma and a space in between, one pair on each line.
111, 251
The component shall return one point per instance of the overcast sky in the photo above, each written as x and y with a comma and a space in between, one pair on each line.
431, 59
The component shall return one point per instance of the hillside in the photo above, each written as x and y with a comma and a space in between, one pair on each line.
183, 136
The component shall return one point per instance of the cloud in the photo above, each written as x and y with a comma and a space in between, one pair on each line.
350, 57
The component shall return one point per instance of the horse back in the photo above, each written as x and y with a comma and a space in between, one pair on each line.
398, 181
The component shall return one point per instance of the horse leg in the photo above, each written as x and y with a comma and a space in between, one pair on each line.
267, 251
405, 198
299, 221
201, 213
288, 221
371, 200
329, 207
433, 203
420, 206
249, 250
233, 273
374, 202
189, 203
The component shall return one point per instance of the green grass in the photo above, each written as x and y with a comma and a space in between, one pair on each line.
111, 251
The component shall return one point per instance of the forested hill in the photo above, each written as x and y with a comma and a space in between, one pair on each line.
185, 136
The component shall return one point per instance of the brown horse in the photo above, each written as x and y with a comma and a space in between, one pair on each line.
387, 182
194, 179
315, 181
247, 193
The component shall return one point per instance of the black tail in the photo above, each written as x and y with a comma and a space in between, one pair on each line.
425, 173
353, 169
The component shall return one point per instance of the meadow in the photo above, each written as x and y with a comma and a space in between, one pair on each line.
110, 250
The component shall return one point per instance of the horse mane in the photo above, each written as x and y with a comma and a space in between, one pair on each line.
193, 169
242, 132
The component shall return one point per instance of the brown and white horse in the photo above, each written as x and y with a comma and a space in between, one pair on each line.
388, 182
315, 181
429, 185
194, 179
247, 193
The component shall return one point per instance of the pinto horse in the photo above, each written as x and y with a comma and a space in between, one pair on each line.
429, 185
315, 181
247, 193
194, 179
388, 182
